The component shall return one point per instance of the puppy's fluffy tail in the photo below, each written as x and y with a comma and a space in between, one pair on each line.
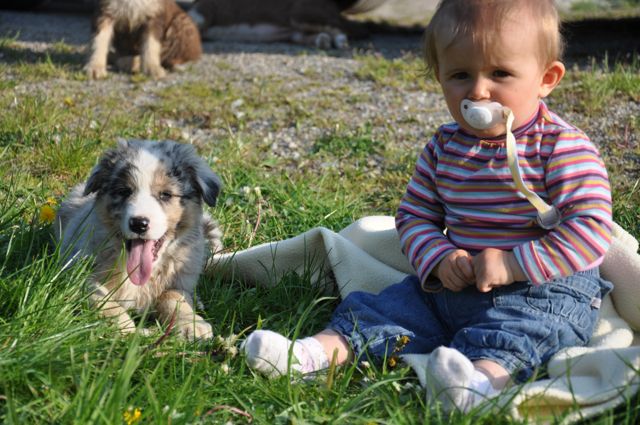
212, 233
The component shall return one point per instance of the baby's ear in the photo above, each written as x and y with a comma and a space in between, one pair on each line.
551, 78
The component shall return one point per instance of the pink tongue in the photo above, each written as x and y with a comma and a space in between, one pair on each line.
140, 261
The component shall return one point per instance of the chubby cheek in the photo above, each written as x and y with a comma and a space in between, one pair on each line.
453, 101
457, 117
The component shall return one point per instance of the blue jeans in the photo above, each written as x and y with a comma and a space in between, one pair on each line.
519, 326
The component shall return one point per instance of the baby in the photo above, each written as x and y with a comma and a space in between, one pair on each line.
500, 291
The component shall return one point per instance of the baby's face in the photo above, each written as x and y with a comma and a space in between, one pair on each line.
509, 72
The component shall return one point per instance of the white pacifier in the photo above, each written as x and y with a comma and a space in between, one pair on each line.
484, 115
481, 115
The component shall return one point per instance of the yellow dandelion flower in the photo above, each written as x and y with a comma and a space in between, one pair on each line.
392, 362
132, 416
47, 214
404, 340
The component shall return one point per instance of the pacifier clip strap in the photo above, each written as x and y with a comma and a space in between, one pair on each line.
548, 215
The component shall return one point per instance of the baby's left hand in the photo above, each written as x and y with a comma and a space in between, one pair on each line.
495, 267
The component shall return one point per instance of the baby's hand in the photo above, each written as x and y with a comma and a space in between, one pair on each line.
494, 267
455, 270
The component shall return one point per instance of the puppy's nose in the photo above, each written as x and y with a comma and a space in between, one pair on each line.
139, 225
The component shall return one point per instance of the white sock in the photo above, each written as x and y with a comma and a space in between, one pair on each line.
480, 388
453, 380
268, 353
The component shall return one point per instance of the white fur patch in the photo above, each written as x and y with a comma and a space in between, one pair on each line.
143, 202
133, 12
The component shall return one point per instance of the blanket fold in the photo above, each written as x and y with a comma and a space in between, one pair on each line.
366, 256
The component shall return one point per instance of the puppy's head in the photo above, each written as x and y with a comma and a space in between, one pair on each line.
150, 194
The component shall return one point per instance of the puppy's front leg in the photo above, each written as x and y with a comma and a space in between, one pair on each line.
112, 310
151, 53
180, 303
96, 68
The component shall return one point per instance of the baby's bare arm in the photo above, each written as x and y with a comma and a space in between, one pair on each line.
495, 267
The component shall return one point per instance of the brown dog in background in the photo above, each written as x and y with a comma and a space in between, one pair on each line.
146, 35
318, 23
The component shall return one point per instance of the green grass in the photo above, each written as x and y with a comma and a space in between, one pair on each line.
598, 86
584, 9
61, 363
405, 71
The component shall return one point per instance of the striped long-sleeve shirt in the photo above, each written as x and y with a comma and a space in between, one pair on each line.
463, 184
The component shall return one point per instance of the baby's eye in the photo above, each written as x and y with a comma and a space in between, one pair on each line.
500, 73
459, 76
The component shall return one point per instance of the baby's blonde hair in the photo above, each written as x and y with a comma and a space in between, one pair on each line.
481, 19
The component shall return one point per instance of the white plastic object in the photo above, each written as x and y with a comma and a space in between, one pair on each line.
482, 115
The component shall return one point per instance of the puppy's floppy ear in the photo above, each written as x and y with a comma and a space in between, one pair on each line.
208, 182
204, 179
100, 174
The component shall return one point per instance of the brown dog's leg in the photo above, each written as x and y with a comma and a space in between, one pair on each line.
96, 68
151, 50
187, 322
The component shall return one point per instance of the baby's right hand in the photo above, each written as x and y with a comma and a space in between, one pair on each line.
455, 271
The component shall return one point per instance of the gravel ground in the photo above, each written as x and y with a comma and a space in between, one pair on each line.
245, 64
406, 118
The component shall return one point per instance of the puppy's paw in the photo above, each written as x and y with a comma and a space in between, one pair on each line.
195, 329
125, 324
156, 72
148, 331
96, 71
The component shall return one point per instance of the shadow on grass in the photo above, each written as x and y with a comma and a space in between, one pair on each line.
11, 54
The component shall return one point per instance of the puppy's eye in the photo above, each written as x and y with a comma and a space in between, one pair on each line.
165, 196
123, 192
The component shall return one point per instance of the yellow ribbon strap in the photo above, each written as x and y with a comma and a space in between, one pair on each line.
548, 215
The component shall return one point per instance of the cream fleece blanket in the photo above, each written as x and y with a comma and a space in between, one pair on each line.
366, 256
